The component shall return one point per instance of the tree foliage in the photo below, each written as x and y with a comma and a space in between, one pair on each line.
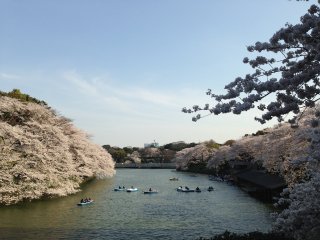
17, 94
192, 157
118, 154
301, 219
43, 154
165, 153
293, 153
289, 69
178, 146
212, 144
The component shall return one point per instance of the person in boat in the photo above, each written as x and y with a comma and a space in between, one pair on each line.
81, 200
123, 187
186, 187
197, 188
150, 190
119, 187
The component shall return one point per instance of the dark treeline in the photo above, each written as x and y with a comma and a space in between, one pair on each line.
165, 153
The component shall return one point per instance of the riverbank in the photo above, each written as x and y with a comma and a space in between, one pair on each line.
146, 165
259, 184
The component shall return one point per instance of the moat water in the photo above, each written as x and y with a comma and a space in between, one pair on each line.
120, 215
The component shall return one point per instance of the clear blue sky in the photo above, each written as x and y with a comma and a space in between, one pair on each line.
124, 69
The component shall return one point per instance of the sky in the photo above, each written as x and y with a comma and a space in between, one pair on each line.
122, 70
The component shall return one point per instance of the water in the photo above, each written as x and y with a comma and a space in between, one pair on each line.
121, 215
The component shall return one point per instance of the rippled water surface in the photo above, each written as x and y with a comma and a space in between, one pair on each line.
121, 215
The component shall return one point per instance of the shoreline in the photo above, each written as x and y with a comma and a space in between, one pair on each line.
146, 165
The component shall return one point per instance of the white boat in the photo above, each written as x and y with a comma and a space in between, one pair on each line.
132, 189
85, 203
180, 189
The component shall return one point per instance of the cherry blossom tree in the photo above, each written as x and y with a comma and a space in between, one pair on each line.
219, 157
293, 153
282, 149
289, 70
194, 156
301, 218
43, 154
135, 157
151, 154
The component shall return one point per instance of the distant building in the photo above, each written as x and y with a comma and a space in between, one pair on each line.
151, 145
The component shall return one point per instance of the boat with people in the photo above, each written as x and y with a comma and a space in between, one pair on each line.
185, 189
150, 191
120, 189
174, 179
210, 189
132, 189
198, 189
85, 202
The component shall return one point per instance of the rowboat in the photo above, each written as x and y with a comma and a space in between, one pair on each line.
150, 192
119, 189
85, 203
180, 189
132, 189
174, 179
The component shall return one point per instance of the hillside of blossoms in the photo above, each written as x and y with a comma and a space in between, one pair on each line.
291, 152
284, 82
42, 154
